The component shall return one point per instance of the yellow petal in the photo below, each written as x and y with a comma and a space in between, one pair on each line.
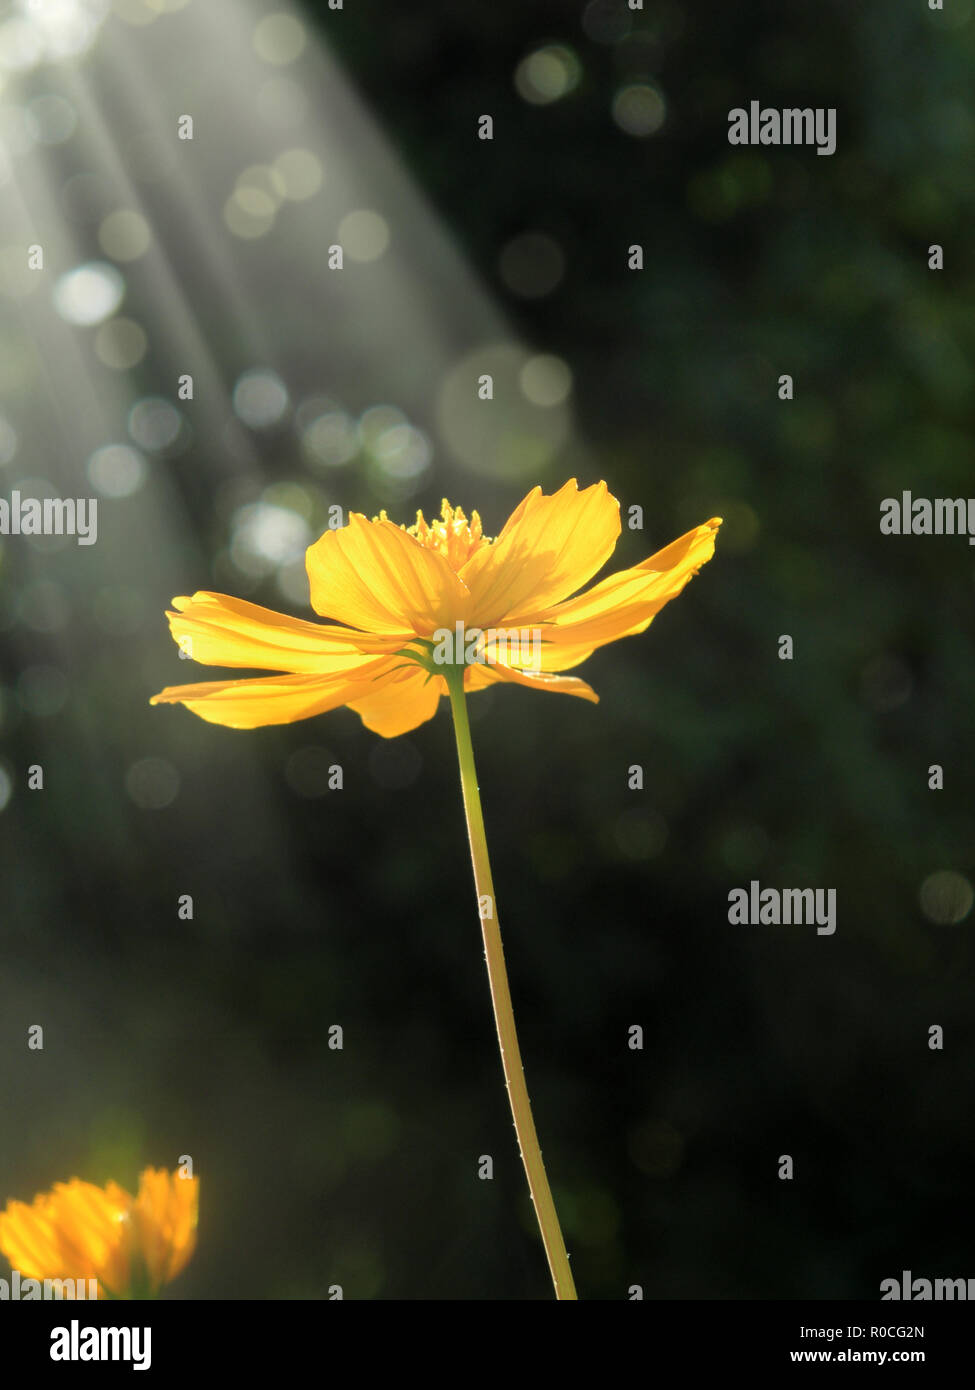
250, 704
92, 1226
477, 677
561, 656
29, 1241
627, 602
76, 1231
521, 649
401, 705
550, 546
164, 1217
217, 630
373, 575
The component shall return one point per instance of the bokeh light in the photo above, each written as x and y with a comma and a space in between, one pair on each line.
155, 424
640, 109
58, 29
532, 264
607, 21
946, 897
89, 293
364, 235
260, 398
249, 212
121, 343
547, 74
279, 39
329, 435
152, 783
545, 380
117, 470
299, 174
124, 235
266, 536
516, 443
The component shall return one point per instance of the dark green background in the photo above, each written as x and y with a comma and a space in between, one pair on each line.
210, 1037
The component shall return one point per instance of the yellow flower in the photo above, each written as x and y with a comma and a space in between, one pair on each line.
387, 586
131, 1245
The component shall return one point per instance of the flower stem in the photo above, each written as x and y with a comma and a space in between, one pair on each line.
504, 1019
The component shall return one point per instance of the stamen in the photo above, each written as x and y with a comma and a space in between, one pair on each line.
456, 538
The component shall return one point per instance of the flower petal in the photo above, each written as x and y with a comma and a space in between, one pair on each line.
477, 677
561, 656
529, 649
626, 603
76, 1231
401, 705
549, 548
250, 704
373, 575
92, 1226
217, 630
29, 1241
164, 1217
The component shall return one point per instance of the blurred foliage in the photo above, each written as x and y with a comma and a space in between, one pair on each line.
210, 1037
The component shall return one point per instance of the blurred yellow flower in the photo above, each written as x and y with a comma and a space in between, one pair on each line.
386, 586
131, 1245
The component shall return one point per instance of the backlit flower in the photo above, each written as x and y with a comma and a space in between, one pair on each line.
390, 590
131, 1245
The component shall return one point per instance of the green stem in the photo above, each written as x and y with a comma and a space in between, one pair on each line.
504, 1018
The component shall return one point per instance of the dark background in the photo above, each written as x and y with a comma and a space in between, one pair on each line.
210, 1037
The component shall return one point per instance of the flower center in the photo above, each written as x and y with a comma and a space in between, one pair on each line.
453, 535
